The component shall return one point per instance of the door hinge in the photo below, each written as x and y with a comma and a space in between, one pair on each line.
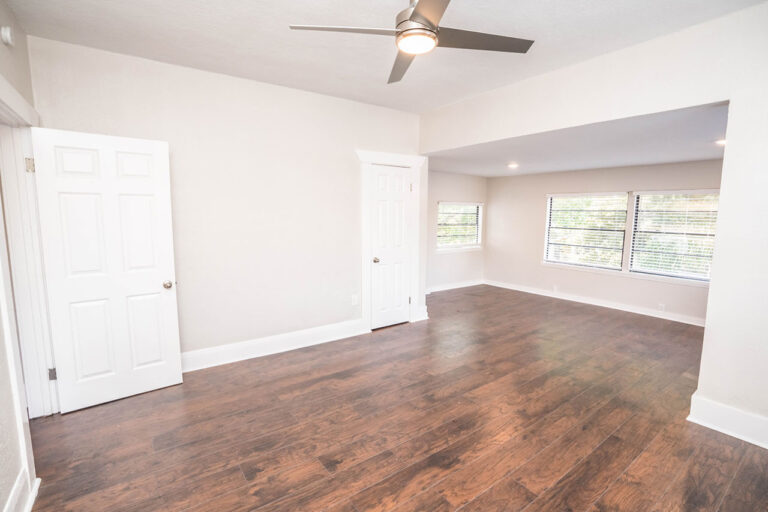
52, 374
411, 187
29, 163
409, 300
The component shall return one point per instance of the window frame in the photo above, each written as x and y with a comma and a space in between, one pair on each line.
564, 264
480, 226
628, 238
633, 195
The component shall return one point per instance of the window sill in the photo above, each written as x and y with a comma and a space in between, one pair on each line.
468, 248
631, 275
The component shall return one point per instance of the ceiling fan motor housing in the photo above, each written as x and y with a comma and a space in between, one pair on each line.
404, 22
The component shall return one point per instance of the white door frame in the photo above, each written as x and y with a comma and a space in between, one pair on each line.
15, 111
19, 195
25, 486
417, 171
23, 231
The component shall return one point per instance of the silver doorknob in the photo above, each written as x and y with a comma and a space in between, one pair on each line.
376, 260
167, 285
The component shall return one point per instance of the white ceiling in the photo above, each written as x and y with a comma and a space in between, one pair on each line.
674, 136
250, 38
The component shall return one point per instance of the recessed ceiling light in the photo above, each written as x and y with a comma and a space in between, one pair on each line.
721, 142
513, 165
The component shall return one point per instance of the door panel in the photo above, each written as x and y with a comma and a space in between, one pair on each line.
94, 355
390, 274
105, 219
82, 232
136, 220
144, 329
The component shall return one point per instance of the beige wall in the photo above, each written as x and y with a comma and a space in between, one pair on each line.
452, 267
720, 60
14, 61
10, 456
265, 183
515, 230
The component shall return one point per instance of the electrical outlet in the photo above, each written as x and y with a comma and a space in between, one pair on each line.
662, 306
355, 299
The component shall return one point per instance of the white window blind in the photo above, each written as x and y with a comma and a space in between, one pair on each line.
458, 225
587, 230
674, 234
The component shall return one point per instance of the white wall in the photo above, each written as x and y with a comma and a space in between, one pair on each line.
720, 60
516, 213
265, 183
454, 267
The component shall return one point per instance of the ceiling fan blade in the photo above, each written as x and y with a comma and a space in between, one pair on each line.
430, 11
456, 38
354, 30
402, 61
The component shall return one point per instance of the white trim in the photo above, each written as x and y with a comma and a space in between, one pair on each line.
416, 164
628, 273
419, 313
675, 317
22, 496
630, 239
458, 248
453, 286
9, 342
232, 352
393, 159
732, 421
15, 110
15, 496
626, 250
23, 230
462, 203
587, 194
548, 217
480, 227
31, 496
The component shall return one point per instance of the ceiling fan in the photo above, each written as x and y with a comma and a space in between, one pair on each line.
417, 32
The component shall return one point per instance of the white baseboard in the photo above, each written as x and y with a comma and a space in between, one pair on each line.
32, 496
233, 352
453, 286
686, 319
738, 423
21, 497
420, 314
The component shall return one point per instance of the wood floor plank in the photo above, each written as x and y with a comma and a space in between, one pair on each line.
749, 490
506, 495
650, 474
703, 481
546, 468
500, 401
466, 482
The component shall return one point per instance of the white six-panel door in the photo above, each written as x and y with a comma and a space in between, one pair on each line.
390, 273
105, 218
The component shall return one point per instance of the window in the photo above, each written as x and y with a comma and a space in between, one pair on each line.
674, 234
587, 230
459, 225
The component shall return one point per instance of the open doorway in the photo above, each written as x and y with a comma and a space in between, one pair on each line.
619, 214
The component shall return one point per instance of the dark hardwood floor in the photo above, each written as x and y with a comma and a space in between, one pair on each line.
502, 401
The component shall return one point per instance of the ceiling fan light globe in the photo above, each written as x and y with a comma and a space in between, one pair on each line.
416, 41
